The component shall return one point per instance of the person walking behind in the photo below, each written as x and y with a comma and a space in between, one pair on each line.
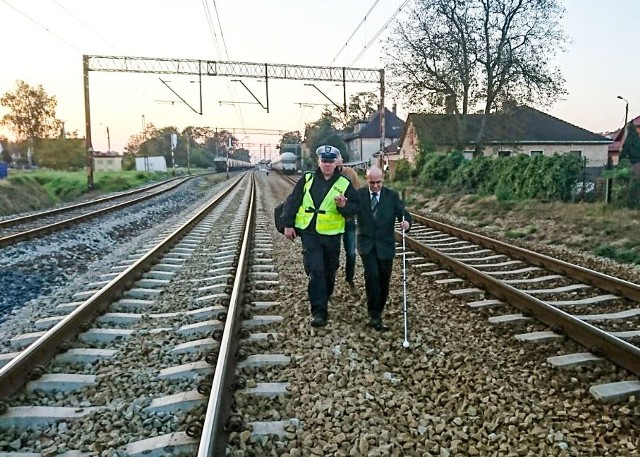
315, 210
376, 241
349, 235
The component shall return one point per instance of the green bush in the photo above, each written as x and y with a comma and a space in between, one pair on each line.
438, 169
618, 254
402, 171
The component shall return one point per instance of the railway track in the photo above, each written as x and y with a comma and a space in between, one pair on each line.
183, 302
13, 230
595, 310
344, 389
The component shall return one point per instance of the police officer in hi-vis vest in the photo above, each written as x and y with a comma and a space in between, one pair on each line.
315, 211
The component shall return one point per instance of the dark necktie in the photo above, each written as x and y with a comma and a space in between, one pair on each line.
374, 200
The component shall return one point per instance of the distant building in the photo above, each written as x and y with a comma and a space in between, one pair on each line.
517, 130
363, 144
151, 164
618, 140
107, 161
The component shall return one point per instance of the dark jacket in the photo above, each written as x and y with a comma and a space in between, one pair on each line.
318, 190
377, 232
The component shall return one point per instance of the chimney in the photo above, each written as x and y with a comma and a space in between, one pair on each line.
393, 108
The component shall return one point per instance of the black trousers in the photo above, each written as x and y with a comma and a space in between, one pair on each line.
321, 259
377, 275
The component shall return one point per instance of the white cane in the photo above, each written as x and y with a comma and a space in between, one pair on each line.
405, 343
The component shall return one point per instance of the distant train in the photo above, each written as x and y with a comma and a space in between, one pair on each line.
288, 163
220, 164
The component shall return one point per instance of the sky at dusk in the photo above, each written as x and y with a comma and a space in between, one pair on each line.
44, 41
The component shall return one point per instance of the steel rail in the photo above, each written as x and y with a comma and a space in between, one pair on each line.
21, 368
603, 281
34, 233
52, 212
214, 436
597, 341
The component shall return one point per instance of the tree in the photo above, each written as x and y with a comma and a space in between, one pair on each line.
362, 106
290, 142
218, 144
204, 144
323, 131
137, 144
631, 147
461, 55
240, 154
32, 112
5, 155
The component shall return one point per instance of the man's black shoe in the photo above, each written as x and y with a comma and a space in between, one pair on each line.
382, 327
318, 321
377, 324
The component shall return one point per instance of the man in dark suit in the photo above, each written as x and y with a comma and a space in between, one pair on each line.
379, 209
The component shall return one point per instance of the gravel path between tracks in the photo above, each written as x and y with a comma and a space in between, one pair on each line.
462, 388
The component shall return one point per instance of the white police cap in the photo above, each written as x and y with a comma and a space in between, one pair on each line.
328, 153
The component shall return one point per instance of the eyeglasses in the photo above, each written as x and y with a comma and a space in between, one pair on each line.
375, 182
327, 160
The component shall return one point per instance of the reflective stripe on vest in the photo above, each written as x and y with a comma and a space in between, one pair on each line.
328, 220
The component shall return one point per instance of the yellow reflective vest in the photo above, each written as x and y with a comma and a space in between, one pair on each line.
328, 220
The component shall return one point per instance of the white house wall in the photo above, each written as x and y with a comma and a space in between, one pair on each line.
370, 146
596, 154
107, 163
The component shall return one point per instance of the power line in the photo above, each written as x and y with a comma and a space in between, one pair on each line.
212, 30
379, 32
234, 94
354, 32
224, 44
83, 24
43, 27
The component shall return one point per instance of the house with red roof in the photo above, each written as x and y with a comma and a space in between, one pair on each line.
618, 140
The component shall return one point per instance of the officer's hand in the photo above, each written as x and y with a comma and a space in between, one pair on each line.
341, 201
405, 225
290, 233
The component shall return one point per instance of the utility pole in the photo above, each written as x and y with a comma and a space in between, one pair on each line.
87, 123
188, 157
174, 143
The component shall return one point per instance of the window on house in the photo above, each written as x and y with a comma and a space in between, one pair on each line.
467, 154
576, 153
535, 153
504, 153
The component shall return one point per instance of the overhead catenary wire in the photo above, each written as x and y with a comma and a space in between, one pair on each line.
47, 29
70, 45
375, 37
364, 19
224, 44
80, 21
366, 47
232, 90
212, 29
